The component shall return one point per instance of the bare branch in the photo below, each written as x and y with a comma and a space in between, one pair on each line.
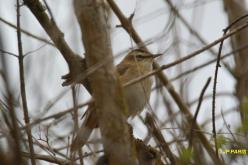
22, 85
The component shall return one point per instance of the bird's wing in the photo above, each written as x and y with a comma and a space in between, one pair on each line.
122, 69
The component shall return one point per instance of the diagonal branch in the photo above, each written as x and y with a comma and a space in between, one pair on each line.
127, 25
75, 62
195, 33
50, 27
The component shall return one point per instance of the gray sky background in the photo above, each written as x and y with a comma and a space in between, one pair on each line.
46, 65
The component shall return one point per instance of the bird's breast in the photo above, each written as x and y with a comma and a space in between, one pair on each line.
137, 96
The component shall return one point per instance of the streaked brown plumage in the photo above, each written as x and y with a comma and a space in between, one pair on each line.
137, 63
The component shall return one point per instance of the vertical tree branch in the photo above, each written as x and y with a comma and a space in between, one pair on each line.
104, 82
22, 85
15, 143
234, 10
75, 119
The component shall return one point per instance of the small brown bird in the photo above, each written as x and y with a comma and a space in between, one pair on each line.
137, 63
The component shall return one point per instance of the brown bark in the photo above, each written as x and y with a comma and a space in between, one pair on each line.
104, 82
234, 10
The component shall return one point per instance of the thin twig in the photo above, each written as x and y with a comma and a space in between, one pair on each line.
163, 67
205, 64
57, 115
228, 127
75, 120
160, 139
9, 53
35, 50
47, 158
197, 110
27, 33
194, 32
50, 12
214, 96
51, 29
22, 85
15, 141
207, 96
208, 63
216, 75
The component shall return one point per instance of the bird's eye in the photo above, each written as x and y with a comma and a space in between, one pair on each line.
140, 57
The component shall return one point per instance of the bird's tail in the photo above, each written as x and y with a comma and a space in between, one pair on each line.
86, 129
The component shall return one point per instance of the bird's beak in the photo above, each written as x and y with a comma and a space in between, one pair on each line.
152, 56
156, 55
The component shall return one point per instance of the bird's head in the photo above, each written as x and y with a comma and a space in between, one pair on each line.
140, 55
